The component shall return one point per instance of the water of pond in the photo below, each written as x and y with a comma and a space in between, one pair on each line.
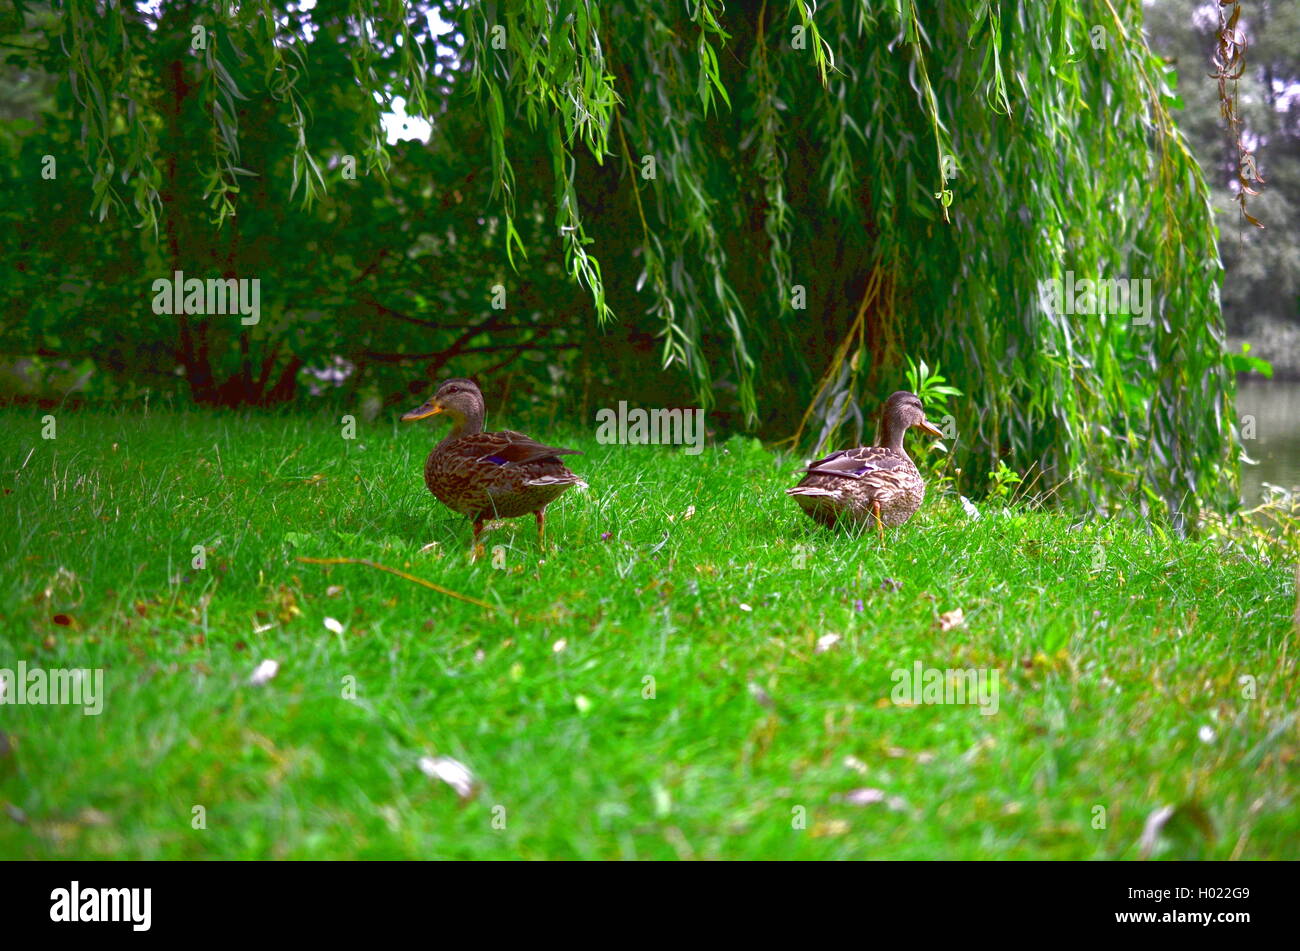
1275, 408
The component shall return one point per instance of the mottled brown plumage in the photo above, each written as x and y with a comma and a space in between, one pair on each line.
489, 475
876, 485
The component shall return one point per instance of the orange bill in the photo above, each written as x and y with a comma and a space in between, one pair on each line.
428, 409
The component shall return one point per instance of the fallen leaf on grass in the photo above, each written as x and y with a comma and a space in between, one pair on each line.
982, 744
63, 585
265, 671
762, 696
1188, 824
826, 642
830, 827
867, 796
91, 816
1151, 830
286, 605
452, 772
950, 619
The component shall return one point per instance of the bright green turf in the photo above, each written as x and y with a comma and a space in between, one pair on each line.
1109, 671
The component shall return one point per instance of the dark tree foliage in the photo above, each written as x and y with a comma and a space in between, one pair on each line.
776, 203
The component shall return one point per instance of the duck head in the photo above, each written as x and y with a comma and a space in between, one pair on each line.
902, 411
458, 399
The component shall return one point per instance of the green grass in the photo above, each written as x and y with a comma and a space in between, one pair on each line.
1116, 646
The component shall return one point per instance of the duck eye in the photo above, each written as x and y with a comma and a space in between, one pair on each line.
453, 389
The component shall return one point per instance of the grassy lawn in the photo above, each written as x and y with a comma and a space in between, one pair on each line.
652, 688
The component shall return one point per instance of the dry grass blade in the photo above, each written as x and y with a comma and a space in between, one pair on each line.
401, 574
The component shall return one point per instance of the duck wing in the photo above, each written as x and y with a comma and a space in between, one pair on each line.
859, 463
507, 449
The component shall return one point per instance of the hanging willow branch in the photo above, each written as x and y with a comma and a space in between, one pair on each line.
837, 186
1230, 66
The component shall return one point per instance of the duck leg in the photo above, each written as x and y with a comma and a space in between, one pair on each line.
475, 549
880, 526
541, 528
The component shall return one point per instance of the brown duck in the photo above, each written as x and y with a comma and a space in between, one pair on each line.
875, 485
489, 475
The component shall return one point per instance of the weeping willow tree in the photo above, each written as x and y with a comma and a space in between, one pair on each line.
792, 197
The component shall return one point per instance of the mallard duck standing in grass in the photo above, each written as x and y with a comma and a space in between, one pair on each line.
869, 484
489, 475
